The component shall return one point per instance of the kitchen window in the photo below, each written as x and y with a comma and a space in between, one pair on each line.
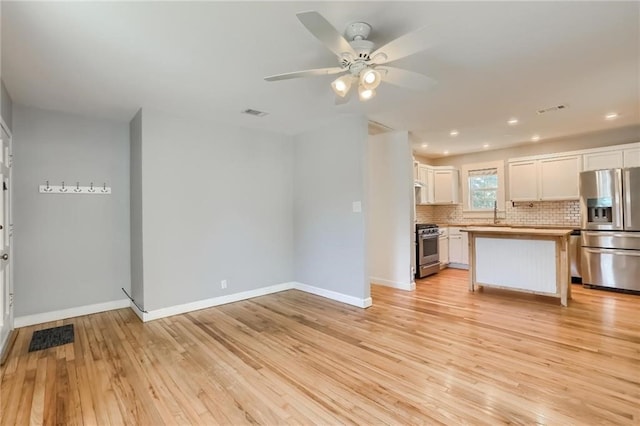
483, 189
482, 186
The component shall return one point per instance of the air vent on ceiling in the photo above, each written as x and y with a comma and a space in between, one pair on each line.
553, 108
255, 112
376, 128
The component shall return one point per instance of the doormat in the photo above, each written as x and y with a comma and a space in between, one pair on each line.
50, 337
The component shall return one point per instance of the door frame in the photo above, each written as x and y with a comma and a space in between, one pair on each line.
6, 340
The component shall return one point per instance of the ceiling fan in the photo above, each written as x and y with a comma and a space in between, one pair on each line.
360, 64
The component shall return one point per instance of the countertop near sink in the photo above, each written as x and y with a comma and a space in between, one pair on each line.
507, 225
507, 230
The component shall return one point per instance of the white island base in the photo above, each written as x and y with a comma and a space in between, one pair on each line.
522, 259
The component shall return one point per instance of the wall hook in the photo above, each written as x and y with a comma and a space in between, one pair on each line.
104, 187
77, 189
48, 188
63, 189
91, 188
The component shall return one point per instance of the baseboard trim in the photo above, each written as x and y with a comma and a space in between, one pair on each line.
214, 301
334, 295
395, 284
28, 320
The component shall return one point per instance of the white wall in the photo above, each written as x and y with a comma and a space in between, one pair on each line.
72, 250
390, 224
330, 239
216, 205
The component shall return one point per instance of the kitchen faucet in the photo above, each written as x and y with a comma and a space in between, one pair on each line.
495, 212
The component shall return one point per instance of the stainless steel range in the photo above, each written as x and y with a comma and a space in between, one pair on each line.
610, 210
427, 256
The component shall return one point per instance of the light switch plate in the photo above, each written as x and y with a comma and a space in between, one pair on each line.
357, 207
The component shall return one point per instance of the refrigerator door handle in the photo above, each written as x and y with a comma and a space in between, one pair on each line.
612, 251
611, 234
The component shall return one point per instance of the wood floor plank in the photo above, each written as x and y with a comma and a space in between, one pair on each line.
437, 355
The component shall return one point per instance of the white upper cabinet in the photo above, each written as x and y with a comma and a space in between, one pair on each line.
545, 179
440, 185
446, 186
612, 157
523, 180
560, 178
425, 176
603, 160
631, 157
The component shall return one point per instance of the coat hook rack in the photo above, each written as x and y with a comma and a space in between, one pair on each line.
77, 189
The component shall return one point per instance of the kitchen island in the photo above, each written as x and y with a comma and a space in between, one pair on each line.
530, 260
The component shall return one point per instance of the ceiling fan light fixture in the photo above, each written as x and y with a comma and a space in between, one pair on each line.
370, 79
365, 94
341, 85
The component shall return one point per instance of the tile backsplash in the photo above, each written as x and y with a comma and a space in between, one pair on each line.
550, 213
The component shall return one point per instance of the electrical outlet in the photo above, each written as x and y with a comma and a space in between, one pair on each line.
223, 284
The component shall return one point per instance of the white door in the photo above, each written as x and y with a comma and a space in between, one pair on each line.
6, 285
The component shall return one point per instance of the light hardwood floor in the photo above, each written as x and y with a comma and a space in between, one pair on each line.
436, 355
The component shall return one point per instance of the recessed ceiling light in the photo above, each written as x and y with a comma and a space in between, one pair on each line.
454, 133
424, 145
446, 153
485, 146
611, 116
535, 138
513, 122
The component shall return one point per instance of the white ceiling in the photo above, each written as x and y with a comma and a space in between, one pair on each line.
492, 61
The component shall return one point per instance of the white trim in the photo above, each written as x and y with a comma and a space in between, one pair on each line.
214, 301
334, 295
5, 127
188, 307
69, 313
136, 311
395, 284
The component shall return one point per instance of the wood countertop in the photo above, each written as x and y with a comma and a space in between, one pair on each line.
504, 225
505, 230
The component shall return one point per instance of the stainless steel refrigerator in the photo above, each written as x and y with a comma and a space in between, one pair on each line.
610, 212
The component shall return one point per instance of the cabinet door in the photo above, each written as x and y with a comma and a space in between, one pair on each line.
559, 178
426, 192
631, 157
523, 180
602, 160
443, 186
443, 250
455, 248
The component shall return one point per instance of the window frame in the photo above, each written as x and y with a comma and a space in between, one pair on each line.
466, 170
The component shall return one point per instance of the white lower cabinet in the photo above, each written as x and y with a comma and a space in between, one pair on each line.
458, 248
443, 249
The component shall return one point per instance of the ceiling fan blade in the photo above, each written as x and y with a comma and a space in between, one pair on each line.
325, 32
405, 45
408, 79
306, 73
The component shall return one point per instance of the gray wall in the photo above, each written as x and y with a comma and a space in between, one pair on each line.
6, 106
69, 250
330, 240
216, 205
390, 221
135, 171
